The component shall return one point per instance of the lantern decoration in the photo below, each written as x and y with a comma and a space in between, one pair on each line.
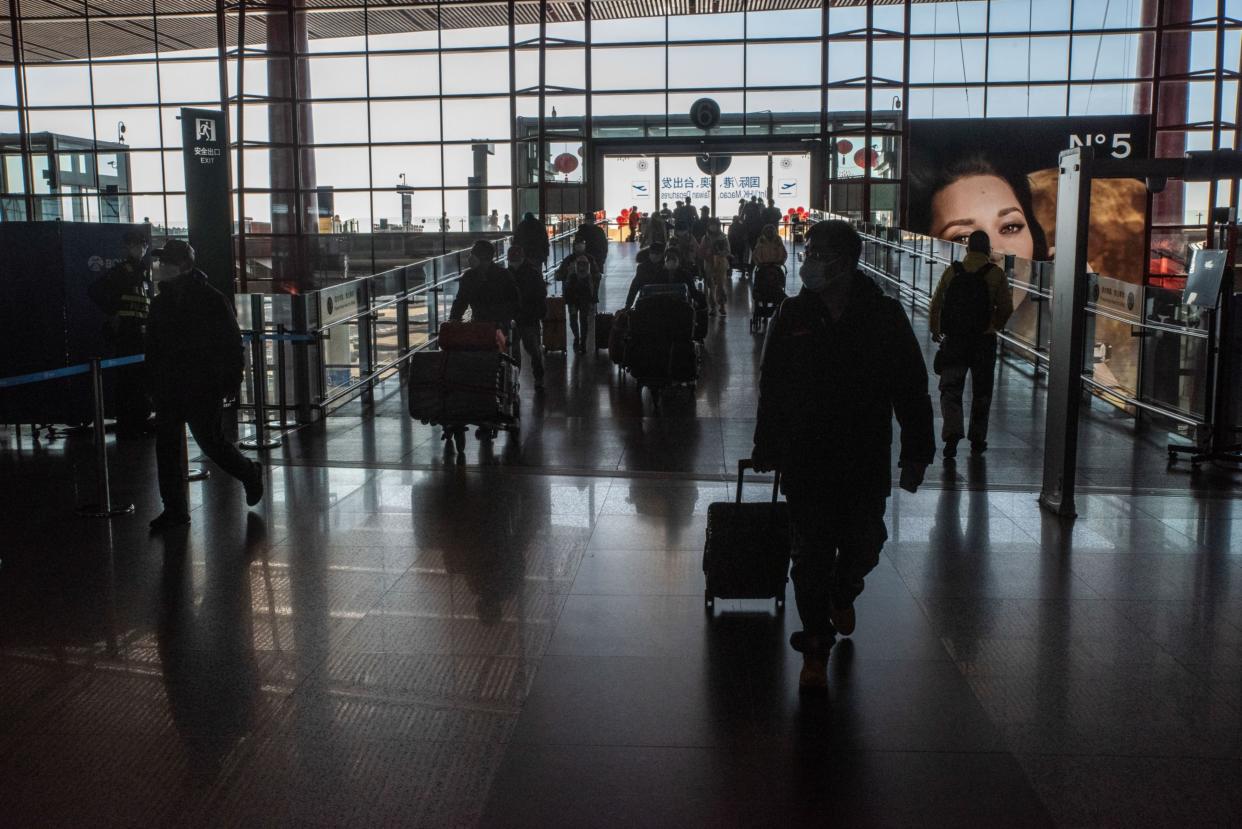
866, 158
844, 146
565, 163
792, 211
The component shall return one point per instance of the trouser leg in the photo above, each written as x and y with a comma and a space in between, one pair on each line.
860, 536
170, 460
533, 345
982, 380
812, 553
132, 406
573, 323
952, 383
205, 424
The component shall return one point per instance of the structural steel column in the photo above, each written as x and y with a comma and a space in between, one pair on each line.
1069, 299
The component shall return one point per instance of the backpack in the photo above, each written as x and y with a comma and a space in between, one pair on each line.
967, 303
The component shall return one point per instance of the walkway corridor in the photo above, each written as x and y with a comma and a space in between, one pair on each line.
518, 639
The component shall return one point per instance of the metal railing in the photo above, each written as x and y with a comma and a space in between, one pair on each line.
334, 344
913, 263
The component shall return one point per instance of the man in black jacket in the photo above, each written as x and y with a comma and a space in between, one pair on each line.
487, 289
840, 359
194, 360
595, 238
531, 235
533, 294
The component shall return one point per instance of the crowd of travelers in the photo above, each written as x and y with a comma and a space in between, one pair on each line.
840, 361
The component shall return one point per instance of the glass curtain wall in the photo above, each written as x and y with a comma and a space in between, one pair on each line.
364, 129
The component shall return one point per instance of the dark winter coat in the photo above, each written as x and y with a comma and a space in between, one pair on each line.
533, 293
490, 293
532, 237
828, 392
193, 346
596, 242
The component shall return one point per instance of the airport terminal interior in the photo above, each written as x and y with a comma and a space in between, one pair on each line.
516, 629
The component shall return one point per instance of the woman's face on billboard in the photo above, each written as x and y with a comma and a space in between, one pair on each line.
983, 202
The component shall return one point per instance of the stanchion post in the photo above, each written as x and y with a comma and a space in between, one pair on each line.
103, 506
403, 316
258, 378
366, 340
301, 359
282, 396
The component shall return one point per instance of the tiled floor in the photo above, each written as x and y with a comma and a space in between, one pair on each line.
394, 637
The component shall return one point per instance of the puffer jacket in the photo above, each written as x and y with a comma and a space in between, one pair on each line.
828, 392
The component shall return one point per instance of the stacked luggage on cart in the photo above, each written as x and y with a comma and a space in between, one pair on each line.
470, 381
767, 292
655, 341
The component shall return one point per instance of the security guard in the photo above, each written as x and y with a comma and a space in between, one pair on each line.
194, 360
124, 294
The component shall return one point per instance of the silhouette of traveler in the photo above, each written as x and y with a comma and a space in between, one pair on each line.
507, 225
971, 303
635, 220
194, 360
672, 268
493, 221
684, 216
839, 360
124, 294
769, 249
487, 289
580, 296
716, 276
772, 214
568, 264
533, 292
595, 237
532, 237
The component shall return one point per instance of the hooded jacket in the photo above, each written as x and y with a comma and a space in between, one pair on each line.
769, 252
490, 293
828, 392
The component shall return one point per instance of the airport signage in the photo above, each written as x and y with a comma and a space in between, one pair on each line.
204, 153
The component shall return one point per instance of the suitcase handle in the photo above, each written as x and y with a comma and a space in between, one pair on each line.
744, 464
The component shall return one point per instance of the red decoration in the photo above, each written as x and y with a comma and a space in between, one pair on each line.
844, 146
565, 163
792, 211
866, 158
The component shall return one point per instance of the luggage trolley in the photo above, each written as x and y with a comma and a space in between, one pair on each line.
457, 389
767, 291
661, 351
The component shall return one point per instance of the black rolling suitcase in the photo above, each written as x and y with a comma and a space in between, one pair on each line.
747, 551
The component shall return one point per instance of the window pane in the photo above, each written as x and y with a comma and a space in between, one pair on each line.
1026, 101
946, 61
339, 167
57, 85
704, 67
142, 126
1028, 59
784, 23
1029, 15
785, 64
470, 72
421, 166
965, 17
405, 121
332, 123
335, 77
1107, 56
470, 118
639, 68
706, 26
635, 30
190, 81
397, 75
128, 83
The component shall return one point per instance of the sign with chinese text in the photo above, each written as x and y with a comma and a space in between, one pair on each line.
204, 151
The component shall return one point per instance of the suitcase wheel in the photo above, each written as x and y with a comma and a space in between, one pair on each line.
709, 601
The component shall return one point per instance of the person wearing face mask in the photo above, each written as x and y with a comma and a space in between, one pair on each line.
487, 290
840, 359
971, 303
194, 359
533, 292
570, 263
670, 269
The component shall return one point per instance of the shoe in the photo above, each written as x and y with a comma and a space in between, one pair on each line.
950, 449
814, 676
254, 486
844, 620
166, 520
978, 447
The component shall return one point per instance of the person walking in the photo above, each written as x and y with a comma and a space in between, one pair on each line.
487, 290
532, 237
635, 220
840, 359
493, 222
124, 294
769, 250
595, 238
580, 298
971, 303
194, 360
716, 276
533, 307
508, 225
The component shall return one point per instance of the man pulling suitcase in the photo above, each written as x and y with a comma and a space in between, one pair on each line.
839, 360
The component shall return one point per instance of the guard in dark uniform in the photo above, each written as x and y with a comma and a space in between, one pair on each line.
124, 294
194, 360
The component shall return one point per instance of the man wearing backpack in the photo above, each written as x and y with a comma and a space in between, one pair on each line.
971, 304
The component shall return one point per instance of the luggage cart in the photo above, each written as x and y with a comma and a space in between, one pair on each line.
767, 291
